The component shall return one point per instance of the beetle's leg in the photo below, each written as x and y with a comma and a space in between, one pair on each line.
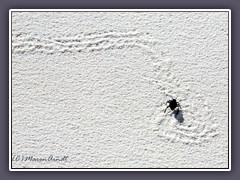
166, 109
179, 105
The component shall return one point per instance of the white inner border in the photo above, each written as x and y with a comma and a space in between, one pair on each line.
114, 10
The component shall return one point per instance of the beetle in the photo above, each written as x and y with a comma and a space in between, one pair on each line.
172, 104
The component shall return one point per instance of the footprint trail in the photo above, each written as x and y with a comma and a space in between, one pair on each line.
197, 126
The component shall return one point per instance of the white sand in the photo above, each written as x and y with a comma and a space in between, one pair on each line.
93, 86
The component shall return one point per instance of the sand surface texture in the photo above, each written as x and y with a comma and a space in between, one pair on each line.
93, 86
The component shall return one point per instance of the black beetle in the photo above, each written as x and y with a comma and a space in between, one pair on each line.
172, 104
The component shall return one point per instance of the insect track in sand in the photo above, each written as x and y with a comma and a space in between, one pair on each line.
85, 42
196, 128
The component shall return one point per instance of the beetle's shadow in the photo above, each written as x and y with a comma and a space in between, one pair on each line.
178, 115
